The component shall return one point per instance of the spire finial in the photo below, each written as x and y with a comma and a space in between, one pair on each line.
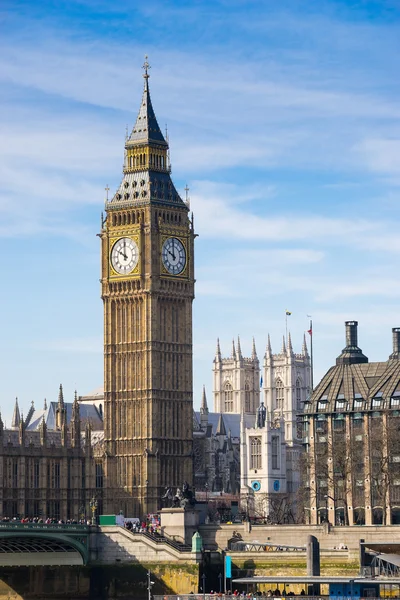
269, 349
107, 189
233, 354
146, 68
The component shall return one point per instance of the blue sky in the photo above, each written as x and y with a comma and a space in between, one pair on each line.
284, 121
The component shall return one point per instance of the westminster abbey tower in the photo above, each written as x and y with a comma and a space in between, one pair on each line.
147, 289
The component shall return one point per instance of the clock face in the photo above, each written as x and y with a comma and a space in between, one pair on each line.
124, 255
173, 256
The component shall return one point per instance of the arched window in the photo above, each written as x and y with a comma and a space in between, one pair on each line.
280, 394
255, 453
247, 402
298, 394
228, 397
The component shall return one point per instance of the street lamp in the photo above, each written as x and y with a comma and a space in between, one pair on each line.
150, 583
93, 507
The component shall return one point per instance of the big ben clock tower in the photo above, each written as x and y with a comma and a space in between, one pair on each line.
147, 289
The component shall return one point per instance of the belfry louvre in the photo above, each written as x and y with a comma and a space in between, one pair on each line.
352, 439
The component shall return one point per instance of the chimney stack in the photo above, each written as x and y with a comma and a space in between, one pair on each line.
351, 354
351, 334
396, 343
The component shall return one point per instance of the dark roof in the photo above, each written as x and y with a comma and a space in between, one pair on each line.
146, 128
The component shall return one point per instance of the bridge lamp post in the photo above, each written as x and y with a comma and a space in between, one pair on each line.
93, 508
150, 584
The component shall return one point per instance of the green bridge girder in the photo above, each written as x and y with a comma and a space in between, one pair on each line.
37, 539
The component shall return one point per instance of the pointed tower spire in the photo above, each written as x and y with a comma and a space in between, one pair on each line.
218, 351
304, 349
283, 349
239, 350
254, 351
146, 172
268, 351
233, 354
204, 405
45, 404
289, 345
16, 418
146, 127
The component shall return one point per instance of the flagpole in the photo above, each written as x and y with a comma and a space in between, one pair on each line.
312, 357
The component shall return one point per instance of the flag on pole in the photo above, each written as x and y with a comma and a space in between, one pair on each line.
287, 312
310, 330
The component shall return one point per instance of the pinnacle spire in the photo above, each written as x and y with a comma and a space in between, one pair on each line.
218, 351
45, 404
254, 351
289, 344
233, 354
283, 349
239, 350
61, 396
204, 405
16, 418
269, 349
304, 349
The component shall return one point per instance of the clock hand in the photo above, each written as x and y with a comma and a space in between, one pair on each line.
123, 254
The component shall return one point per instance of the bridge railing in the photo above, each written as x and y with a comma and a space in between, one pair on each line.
45, 526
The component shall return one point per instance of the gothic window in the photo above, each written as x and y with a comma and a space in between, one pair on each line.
255, 453
99, 475
247, 401
228, 397
280, 394
298, 395
275, 451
